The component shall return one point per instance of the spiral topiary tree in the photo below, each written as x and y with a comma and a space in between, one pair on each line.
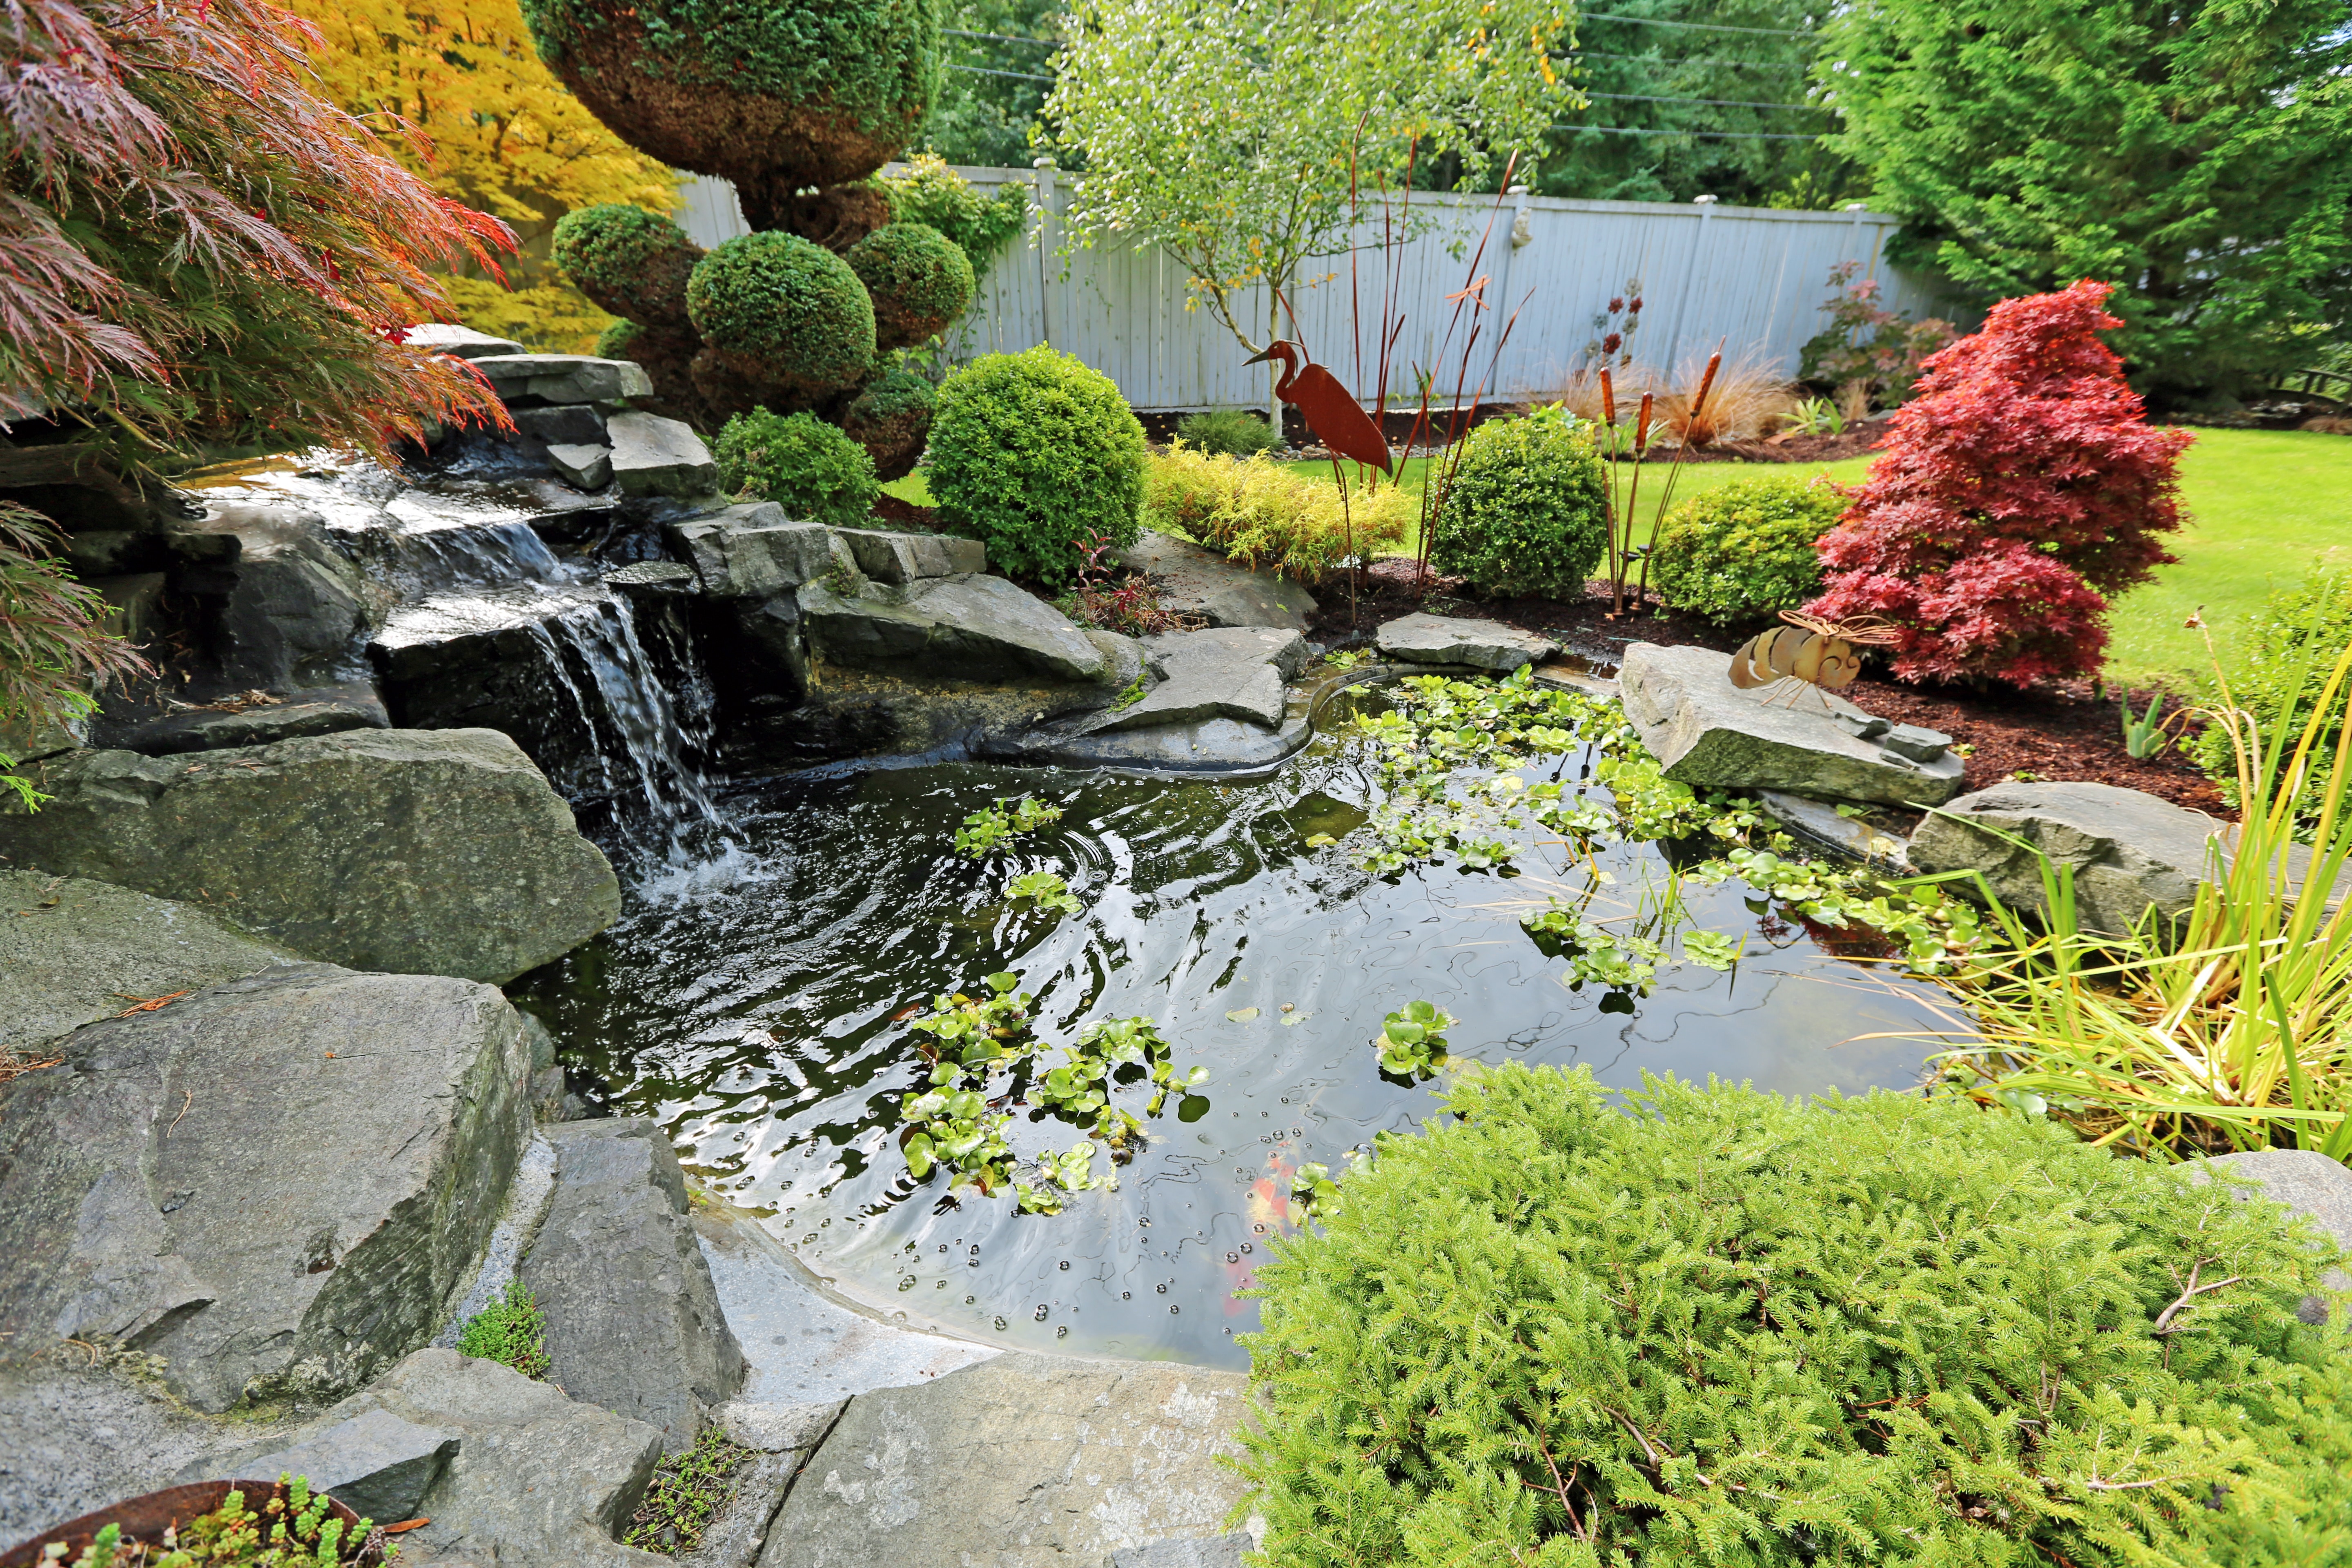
797, 104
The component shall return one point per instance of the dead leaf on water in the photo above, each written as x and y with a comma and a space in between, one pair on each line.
1241, 1014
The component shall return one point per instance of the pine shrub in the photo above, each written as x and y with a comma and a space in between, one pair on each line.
1526, 512
1265, 513
809, 468
1730, 1329
790, 312
1745, 550
2019, 489
1034, 454
1227, 432
631, 262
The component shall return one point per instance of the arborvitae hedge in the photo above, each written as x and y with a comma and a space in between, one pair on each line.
1733, 1329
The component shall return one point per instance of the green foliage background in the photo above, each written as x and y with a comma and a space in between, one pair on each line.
1731, 1328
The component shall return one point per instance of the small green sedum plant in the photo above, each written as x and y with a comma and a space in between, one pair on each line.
688, 1489
1745, 552
293, 1528
511, 1329
807, 466
1727, 1328
1526, 512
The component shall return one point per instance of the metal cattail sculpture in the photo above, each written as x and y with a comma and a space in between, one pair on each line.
1809, 654
1690, 429
1621, 556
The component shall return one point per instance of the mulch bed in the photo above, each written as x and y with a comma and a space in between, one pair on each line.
2062, 732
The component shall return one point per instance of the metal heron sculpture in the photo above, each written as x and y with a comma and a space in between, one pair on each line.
1332, 414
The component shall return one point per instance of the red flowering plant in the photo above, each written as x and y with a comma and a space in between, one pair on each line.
2020, 488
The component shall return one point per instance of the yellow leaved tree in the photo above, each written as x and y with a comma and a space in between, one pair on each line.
505, 137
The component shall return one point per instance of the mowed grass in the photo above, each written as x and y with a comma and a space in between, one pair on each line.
2264, 508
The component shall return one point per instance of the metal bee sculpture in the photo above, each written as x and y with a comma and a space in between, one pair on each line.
1808, 654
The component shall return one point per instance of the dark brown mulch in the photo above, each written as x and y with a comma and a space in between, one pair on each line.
889, 508
2057, 732
1854, 443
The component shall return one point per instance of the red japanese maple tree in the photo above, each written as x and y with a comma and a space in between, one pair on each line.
2022, 487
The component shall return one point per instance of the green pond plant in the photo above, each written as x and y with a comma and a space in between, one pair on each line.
1412, 1042
999, 823
687, 1490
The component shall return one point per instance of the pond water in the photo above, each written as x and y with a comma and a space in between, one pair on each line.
755, 1007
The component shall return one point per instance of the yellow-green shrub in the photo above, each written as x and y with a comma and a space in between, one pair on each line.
1261, 513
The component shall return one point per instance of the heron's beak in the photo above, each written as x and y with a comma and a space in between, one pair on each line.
1259, 359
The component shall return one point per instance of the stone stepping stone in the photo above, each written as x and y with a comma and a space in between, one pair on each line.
582, 467
1425, 638
534, 379
459, 342
1227, 672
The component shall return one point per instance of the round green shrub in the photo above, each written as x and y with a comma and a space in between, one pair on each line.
1227, 432
1032, 453
919, 280
1745, 550
614, 340
784, 311
1526, 514
631, 262
891, 418
1729, 1328
807, 92
800, 462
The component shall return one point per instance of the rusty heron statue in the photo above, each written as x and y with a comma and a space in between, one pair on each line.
1333, 415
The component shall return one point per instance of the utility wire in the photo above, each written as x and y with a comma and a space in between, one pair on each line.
1713, 135
1716, 103
1004, 39
1693, 60
1016, 76
1702, 26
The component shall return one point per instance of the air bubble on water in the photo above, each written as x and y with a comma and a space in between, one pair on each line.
1229, 1258
1245, 1245
1127, 1295
943, 1247
1065, 1264
1041, 1311
1172, 1310
1000, 1323
1163, 1289
1062, 1332
1259, 1228
968, 1300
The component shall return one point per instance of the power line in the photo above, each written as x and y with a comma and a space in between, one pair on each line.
1702, 26
1716, 103
1692, 60
1015, 76
1712, 135
1004, 39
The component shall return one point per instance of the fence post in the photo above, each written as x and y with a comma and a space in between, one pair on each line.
1044, 167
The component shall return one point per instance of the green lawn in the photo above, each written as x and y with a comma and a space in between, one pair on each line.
2264, 507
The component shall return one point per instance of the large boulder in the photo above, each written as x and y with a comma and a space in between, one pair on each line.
536, 1477
426, 852
633, 1323
1024, 1461
2309, 1184
1204, 587
1709, 733
74, 952
1228, 672
2130, 852
283, 607
754, 551
961, 627
277, 1184
1425, 638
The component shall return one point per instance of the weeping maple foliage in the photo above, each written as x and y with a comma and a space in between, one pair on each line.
194, 245
2019, 490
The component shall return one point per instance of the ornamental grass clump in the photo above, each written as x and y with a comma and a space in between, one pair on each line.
1727, 1328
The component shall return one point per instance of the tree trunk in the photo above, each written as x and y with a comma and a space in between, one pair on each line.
1272, 367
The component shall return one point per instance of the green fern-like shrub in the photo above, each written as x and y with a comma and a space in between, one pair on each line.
1527, 513
1033, 454
510, 1330
807, 466
1227, 433
1745, 550
1731, 1328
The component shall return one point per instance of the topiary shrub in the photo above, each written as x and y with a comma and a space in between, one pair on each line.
1228, 432
630, 261
2021, 485
1034, 453
1526, 512
777, 96
1745, 550
784, 312
800, 462
1265, 513
918, 279
1731, 1328
891, 418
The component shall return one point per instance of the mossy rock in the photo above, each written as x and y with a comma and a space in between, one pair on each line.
891, 418
784, 314
810, 92
631, 262
921, 281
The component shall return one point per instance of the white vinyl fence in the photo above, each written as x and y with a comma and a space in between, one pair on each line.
1752, 278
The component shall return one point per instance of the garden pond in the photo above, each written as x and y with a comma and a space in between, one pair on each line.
761, 1004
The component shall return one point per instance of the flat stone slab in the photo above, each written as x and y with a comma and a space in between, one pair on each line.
754, 552
1200, 583
889, 556
2307, 1181
564, 378
961, 628
581, 466
1851, 836
73, 952
573, 424
2130, 852
417, 852
1229, 672
655, 456
459, 342
276, 1184
634, 1324
290, 716
1026, 1462
375, 1464
1425, 638
1709, 733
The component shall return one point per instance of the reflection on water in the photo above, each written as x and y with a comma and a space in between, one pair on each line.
751, 1010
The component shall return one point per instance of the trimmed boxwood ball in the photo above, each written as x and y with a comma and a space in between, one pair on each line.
1527, 513
784, 312
1731, 1328
631, 262
1746, 551
891, 418
805, 92
1032, 453
803, 465
919, 280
